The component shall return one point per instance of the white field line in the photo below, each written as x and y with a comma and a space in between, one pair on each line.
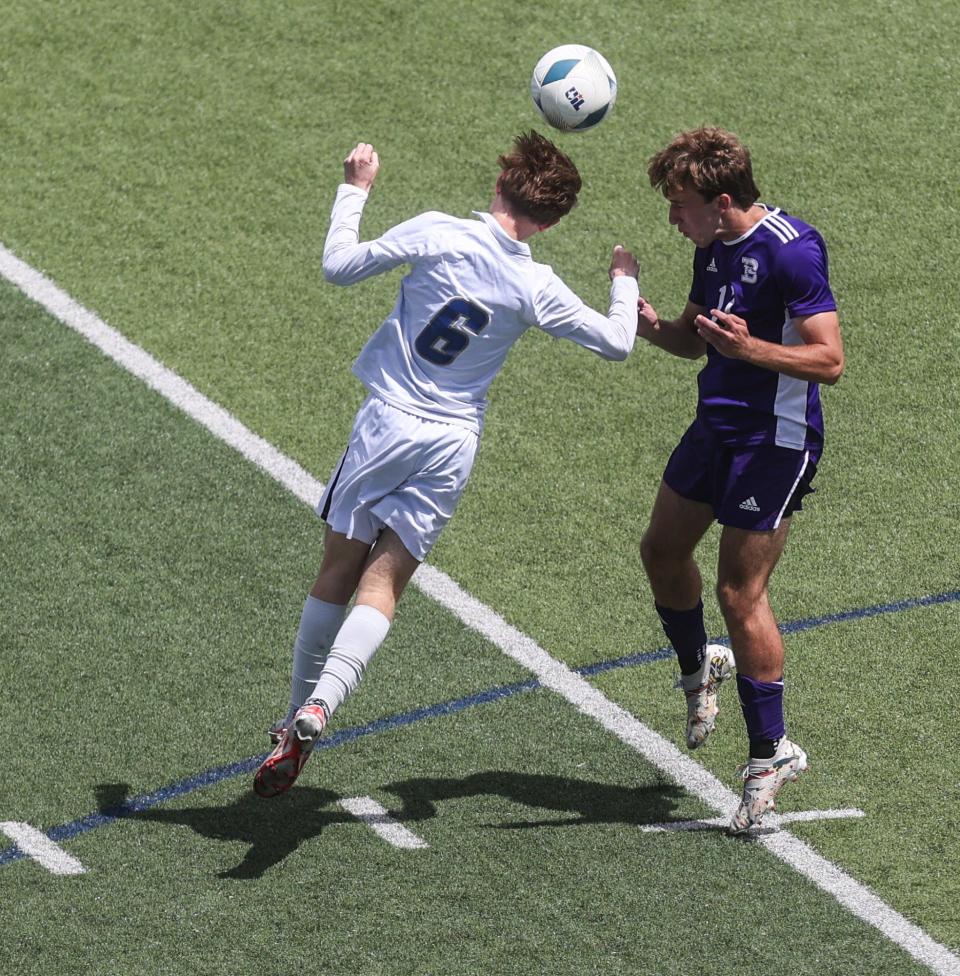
45, 852
368, 811
771, 822
166, 382
857, 898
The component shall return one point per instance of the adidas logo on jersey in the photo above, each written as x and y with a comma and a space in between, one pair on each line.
750, 504
712, 266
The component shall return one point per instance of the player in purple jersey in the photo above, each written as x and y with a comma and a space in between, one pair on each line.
761, 310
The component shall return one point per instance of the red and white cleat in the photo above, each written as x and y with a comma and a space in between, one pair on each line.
279, 771
276, 731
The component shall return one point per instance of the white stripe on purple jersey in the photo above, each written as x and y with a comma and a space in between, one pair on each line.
775, 272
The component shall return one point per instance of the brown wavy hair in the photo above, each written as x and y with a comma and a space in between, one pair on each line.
709, 160
537, 180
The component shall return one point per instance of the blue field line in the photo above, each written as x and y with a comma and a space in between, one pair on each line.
246, 766
838, 618
793, 627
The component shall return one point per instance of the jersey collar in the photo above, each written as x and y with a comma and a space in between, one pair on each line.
503, 238
770, 213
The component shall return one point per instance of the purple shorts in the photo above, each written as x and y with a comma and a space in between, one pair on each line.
749, 487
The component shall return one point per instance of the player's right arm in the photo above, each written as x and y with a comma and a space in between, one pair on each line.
347, 259
361, 166
678, 336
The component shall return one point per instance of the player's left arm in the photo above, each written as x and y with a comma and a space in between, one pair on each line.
818, 358
560, 312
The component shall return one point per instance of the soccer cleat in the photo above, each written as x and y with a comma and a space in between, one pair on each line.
701, 689
762, 780
277, 730
279, 771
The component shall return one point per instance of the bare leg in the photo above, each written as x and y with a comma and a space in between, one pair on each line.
747, 560
344, 564
385, 575
676, 526
341, 567
379, 574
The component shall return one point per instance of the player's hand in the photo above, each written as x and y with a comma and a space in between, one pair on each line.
648, 322
726, 332
623, 263
361, 166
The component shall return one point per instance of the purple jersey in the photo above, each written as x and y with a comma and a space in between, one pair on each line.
775, 272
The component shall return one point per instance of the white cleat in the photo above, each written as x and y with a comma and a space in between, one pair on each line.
701, 689
762, 781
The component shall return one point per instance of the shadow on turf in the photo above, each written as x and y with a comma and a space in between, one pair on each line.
588, 802
273, 828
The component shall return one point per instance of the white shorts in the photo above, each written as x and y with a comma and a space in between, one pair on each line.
399, 470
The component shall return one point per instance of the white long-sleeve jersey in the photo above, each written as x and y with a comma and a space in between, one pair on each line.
472, 291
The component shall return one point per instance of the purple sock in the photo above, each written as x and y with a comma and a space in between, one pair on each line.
762, 704
685, 631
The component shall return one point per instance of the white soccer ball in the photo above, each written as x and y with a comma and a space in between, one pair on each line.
573, 87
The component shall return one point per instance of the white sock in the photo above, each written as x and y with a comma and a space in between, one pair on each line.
353, 648
319, 623
690, 681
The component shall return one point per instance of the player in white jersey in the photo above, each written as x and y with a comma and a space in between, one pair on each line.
473, 289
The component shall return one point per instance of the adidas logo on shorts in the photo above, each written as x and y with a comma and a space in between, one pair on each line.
750, 504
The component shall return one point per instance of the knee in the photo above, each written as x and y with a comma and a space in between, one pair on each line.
654, 555
737, 600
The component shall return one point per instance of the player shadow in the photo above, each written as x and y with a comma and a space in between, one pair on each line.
273, 828
582, 801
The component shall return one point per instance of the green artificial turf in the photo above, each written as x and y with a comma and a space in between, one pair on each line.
172, 169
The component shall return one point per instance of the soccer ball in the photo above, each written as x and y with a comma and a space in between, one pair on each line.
573, 87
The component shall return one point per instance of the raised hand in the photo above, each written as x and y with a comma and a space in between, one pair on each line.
361, 166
